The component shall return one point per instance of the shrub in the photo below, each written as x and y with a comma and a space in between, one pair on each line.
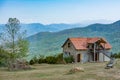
33, 61
59, 58
69, 59
4, 55
3, 62
51, 60
116, 55
41, 59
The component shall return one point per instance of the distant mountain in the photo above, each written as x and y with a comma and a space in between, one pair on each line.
34, 28
48, 39
103, 21
49, 43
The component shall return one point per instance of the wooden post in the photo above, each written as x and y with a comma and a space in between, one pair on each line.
103, 54
89, 56
89, 53
97, 57
94, 52
103, 58
104, 45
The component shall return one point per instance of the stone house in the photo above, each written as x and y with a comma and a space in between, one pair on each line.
87, 49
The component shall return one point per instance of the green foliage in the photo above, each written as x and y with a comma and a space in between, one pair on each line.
24, 47
33, 61
110, 32
69, 59
58, 59
13, 43
14, 39
116, 55
41, 59
2, 62
51, 60
11, 32
3, 57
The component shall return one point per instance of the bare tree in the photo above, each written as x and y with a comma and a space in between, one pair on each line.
12, 30
14, 42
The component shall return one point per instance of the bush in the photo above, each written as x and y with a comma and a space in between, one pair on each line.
60, 59
4, 55
41, 59
51, 60
33, 61
3, 62
69, 59
116, 55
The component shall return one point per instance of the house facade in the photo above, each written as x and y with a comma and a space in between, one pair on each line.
87, 49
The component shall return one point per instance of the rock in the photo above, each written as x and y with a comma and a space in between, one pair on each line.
79, 69
76, 69
19, 65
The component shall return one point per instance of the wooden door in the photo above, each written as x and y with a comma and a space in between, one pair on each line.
96, 57
78, 57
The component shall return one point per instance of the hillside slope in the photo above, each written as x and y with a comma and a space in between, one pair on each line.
49, 43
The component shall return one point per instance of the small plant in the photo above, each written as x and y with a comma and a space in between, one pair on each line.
69, 59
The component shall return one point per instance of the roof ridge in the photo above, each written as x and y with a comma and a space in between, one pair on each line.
80, 42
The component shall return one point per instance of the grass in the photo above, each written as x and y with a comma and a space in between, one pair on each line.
93, 71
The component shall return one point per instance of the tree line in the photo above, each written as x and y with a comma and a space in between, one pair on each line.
56, 59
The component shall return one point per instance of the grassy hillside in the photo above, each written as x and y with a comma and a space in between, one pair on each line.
92, 71
49, 43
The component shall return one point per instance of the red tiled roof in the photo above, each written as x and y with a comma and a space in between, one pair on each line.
81, 43
92, 40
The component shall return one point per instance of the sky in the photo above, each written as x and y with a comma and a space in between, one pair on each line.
59, 11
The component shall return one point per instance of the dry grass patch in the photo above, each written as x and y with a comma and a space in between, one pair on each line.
92, 71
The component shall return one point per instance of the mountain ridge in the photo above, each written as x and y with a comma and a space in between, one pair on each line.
43, 41
49, 43
33, 28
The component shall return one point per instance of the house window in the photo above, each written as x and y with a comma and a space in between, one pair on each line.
66, 54
68, 44
69, 53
